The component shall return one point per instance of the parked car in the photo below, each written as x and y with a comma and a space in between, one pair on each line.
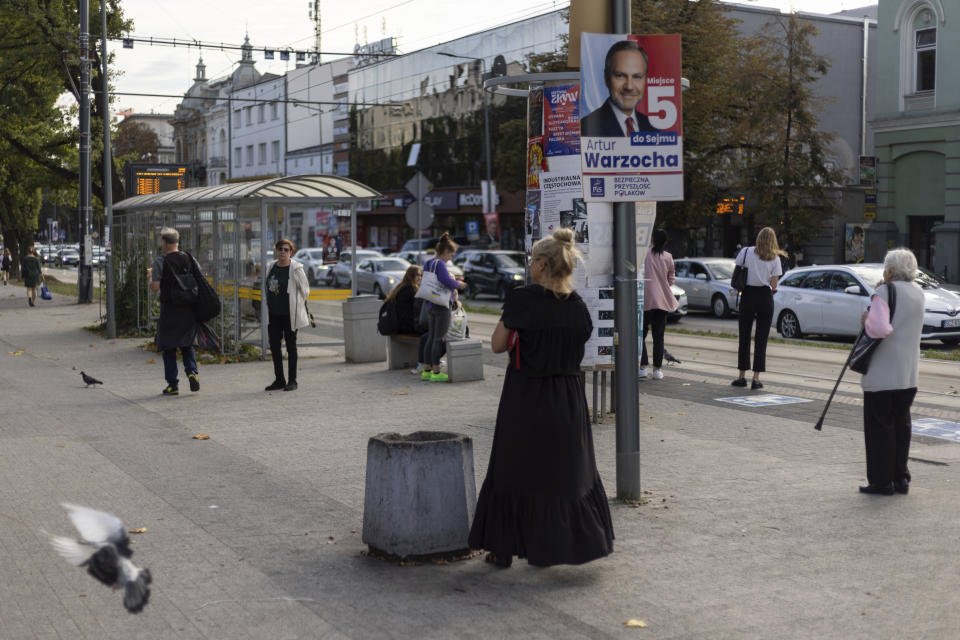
681, 310
937, 280
498, 272
830, 299
314, 264
48, 255
428, 243
379, 275
707, 284
68, 257
339, 275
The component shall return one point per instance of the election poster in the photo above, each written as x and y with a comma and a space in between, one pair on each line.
561, 120
631, 124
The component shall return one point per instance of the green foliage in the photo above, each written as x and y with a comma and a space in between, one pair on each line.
135, 141
132, 301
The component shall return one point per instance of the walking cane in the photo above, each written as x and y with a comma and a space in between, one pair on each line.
823, 415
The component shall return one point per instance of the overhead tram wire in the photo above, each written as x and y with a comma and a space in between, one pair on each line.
256, 100
222, 46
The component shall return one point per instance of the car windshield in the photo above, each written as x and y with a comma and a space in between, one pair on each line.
392, 265
870, 276
510, 260
926, 280
721, 270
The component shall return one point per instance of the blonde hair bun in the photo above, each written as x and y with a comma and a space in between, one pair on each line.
564, 236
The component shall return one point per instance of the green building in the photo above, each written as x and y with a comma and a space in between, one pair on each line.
917, 134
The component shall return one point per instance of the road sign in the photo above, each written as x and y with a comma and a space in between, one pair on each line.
419, 186
425, 214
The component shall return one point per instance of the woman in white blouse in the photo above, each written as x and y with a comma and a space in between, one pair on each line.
756, 303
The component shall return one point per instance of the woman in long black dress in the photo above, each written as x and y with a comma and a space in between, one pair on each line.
542, 498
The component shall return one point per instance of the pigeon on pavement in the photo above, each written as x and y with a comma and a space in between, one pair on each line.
104, 549
669, 357
88, 379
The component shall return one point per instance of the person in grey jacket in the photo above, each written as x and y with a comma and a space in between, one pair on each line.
890, 383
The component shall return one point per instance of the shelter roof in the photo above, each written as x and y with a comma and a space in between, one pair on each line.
316, 188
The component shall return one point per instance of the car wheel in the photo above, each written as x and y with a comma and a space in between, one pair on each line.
502, 292
789, 326
720, 307
950, 342
377, 291
330, 280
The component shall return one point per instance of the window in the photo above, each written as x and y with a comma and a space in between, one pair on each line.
816, 280
236, 119
680, 268
274, 150
840, 280
260, 113
237, 155
926, 55
249, 155
696, 269
794, 280
274, 111
249, 111
262, 153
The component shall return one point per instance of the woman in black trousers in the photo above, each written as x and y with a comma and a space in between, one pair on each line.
756, 303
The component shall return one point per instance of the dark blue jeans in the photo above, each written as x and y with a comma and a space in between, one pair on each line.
170, 364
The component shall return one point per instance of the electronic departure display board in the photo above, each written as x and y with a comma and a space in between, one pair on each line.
143, 178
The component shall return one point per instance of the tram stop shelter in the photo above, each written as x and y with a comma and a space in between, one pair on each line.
231, 229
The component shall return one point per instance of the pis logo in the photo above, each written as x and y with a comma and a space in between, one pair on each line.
596, 187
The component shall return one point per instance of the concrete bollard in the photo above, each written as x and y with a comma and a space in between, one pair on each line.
361, 342
420, 493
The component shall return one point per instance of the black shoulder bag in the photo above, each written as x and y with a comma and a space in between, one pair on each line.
739, 278
184, 291
864, 347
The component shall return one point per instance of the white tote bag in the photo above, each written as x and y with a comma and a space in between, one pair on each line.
458, 324
432, 290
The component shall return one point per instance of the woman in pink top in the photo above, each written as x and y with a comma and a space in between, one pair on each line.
658, 300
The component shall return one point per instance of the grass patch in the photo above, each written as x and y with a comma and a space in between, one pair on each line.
246, 353
70, 289
933, 354
473, 308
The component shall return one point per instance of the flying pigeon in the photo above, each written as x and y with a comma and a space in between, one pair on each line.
104, 549
89, 380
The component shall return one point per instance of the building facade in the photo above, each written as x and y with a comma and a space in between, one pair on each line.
257, 132
917, 134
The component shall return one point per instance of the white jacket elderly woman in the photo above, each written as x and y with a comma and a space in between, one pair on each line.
286, 294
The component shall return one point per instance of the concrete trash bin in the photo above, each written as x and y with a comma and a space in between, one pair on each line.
420, 493
361, 342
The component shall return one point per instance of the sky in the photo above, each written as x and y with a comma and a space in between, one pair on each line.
285, 24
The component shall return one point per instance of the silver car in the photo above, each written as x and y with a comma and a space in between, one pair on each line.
312, 261
830, 300
380, 275
339, 274
707, 283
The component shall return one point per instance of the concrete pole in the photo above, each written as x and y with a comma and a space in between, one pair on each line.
85, 270
626, 343
107, 178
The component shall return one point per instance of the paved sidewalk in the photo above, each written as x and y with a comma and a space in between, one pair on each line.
752, 526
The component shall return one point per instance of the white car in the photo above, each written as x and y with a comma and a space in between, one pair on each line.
312, 260
339, 275
830, 300
380, 275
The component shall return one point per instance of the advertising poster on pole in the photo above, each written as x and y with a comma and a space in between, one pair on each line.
561, 120
631, 124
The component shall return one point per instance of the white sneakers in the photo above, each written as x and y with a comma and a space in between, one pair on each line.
656, 374
643, 372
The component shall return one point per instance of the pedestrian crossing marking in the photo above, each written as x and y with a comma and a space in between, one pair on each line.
937, 428
763, 400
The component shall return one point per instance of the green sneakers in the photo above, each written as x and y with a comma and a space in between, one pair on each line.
171, 391
439, 377
194, 381
426, 375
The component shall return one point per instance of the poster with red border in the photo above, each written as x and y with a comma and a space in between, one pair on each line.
631, 117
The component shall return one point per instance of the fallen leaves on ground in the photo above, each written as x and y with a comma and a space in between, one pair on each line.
201, 436
633, 622
400, 393
686, 384
18, 352
151, 361
140, 530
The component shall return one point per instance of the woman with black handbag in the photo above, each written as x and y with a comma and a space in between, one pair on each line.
890, 383
762, 262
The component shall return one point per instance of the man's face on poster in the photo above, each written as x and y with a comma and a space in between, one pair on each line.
627, 79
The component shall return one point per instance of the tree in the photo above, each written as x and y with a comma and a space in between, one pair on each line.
785, 169
39, 47
135, 141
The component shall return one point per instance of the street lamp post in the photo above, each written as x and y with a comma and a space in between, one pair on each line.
486, 123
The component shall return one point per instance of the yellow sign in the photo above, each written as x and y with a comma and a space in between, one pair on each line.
869, 211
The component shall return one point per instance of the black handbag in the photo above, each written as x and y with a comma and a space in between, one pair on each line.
739, 278
864, 347
208, 305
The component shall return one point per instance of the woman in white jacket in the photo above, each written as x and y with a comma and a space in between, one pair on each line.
287, 291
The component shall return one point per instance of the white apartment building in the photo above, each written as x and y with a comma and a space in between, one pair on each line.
310, 126
257, 129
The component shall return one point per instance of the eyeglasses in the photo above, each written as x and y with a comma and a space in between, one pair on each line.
284, 249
